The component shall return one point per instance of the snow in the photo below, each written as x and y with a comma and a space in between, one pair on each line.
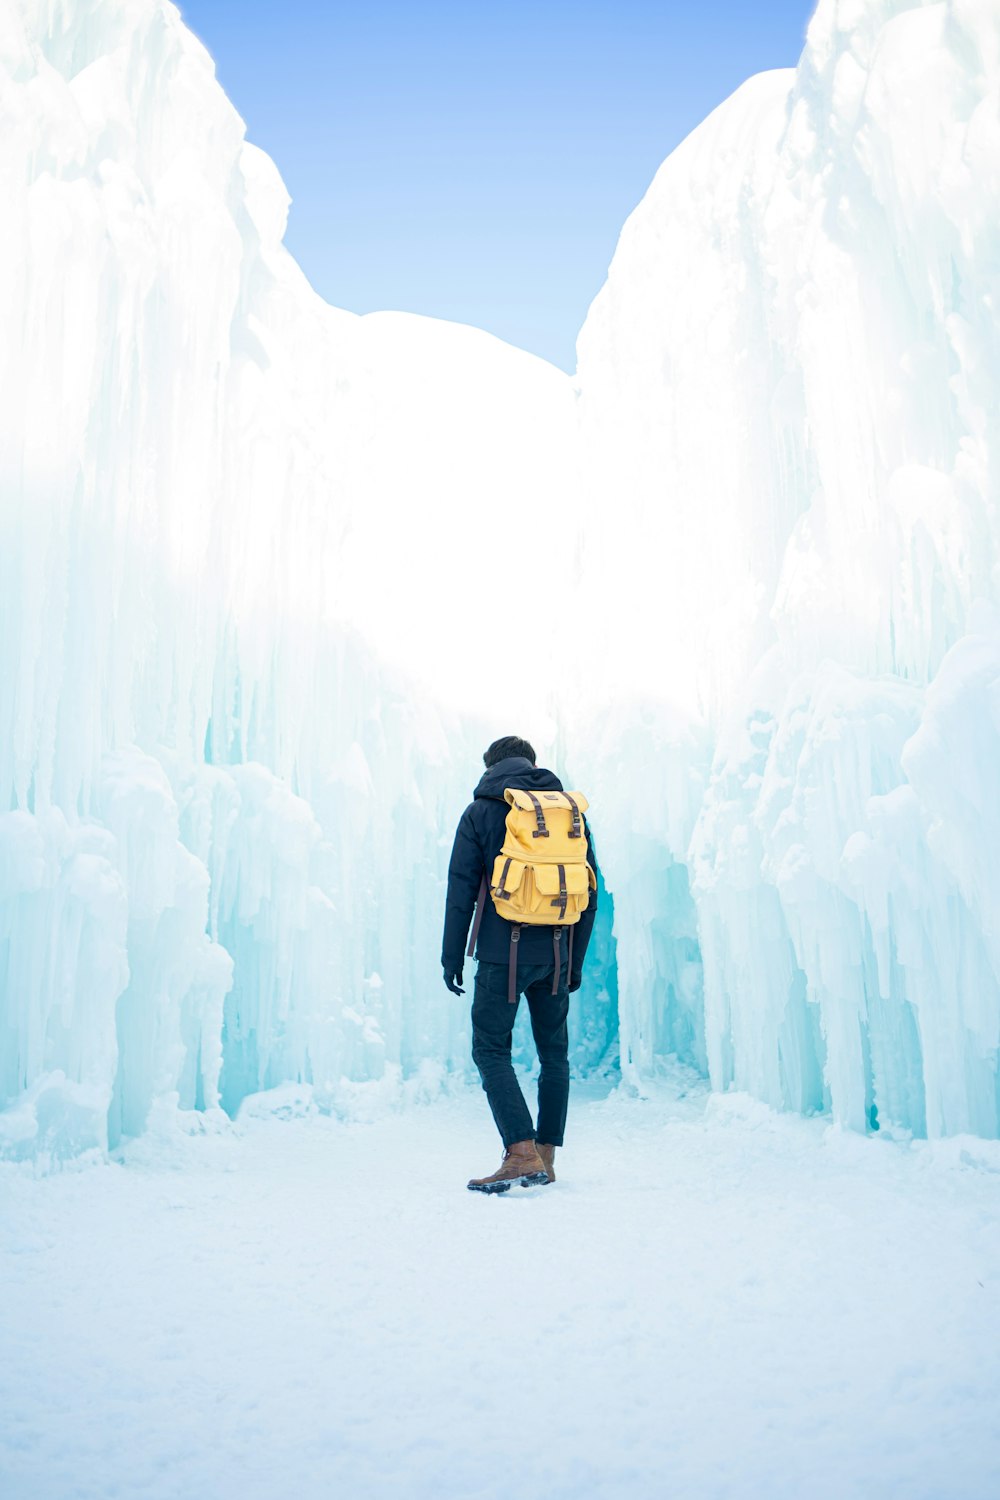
712, 1300
246, 550
270, 581
271, 576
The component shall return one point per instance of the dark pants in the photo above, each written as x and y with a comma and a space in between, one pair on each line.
492, 1023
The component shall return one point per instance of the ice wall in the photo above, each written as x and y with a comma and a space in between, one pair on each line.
248, 660
234, 524
792, 374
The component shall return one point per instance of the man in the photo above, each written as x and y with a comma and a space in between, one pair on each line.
529, 1151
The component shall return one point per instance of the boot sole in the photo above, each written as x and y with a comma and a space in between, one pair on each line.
531, 1179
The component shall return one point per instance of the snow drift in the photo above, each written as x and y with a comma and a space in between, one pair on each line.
240, 702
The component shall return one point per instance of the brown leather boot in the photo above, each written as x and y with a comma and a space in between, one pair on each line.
548, 1155
521, 1166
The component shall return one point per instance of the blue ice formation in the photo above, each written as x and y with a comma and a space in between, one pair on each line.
240, 714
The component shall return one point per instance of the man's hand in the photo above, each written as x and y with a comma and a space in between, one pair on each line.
454, 981
575, 982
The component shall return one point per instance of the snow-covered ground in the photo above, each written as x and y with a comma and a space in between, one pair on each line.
712, 1301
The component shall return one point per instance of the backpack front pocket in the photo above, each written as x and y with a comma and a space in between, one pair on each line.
506, 887
563, 891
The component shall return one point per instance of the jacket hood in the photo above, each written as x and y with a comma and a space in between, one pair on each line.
517, 771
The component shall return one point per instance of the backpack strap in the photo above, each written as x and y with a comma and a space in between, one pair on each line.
577, 830
562, 900
501, 893
478, 918
541, 832
515, 938
557, 955
569, 958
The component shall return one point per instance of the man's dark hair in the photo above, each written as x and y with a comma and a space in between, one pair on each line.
509, 745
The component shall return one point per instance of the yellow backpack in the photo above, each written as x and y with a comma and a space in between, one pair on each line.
541, 875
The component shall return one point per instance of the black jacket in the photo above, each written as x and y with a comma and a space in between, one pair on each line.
477, 844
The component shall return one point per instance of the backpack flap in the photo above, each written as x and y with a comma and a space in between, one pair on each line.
539, 821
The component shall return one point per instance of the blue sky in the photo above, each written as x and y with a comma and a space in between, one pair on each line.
476, 160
